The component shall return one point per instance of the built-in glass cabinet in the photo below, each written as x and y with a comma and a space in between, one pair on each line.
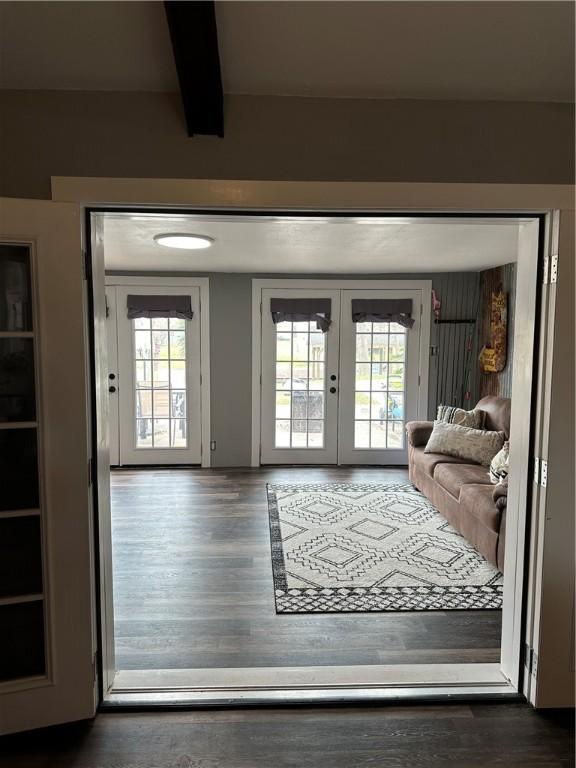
22, 587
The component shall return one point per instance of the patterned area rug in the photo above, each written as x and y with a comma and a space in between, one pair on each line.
349, 547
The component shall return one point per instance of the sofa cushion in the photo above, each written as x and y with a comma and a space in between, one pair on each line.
426, 462
473, 445
453, 476
477, 500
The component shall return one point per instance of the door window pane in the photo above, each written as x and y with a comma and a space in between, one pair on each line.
22, 640
300, 385
17, 390
161, 433
15, 288
379, 386
177, 345
282, 438
142, 345
160, 383
20, 556
143, 374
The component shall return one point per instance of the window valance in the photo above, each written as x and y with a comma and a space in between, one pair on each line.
383, 311
159, 306
297, 310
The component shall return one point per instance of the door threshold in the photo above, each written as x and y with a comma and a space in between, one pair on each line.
307, 685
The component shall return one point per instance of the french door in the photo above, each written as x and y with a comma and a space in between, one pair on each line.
342, 396
379, 381
47, 642
300, 384
155, 390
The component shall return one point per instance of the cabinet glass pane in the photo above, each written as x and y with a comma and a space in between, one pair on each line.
20, 556
17, 391
21, 640
15, 288
19, 475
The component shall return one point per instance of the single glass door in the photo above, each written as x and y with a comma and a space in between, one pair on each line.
379, 380
159, 382
299, 382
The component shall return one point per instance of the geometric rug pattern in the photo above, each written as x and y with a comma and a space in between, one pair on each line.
349, 547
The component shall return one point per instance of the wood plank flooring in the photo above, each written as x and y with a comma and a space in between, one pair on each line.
193, 583
431, 736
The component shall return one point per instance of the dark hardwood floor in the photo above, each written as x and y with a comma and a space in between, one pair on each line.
193, 583
432, 736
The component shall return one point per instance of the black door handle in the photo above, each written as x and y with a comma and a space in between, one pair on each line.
111, 389
333, 377
333, 389
111, 376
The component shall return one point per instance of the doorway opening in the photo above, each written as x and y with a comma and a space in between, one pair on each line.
200, 554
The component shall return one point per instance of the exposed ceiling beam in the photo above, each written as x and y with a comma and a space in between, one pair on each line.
195, 44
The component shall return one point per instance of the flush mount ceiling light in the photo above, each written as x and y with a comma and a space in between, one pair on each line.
184, 240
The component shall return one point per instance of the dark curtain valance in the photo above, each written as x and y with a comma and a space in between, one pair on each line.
297, 310
159, 306
383, 311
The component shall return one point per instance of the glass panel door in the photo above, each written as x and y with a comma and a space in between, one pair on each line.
299, 385
46, 526
159, 383
379, 385
379, 379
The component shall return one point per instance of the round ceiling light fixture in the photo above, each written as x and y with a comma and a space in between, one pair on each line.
184, 240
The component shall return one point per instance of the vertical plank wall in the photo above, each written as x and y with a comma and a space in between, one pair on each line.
453, 366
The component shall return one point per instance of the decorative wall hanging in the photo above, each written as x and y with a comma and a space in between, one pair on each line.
493, 354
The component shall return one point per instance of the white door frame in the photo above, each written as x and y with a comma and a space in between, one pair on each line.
203, 283
416, 376
518, 200
260, 285
328, 453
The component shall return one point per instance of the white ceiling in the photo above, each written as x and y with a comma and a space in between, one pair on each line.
434, 50
310, 245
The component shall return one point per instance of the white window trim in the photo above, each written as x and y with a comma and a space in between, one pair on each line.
203, 283
258, 285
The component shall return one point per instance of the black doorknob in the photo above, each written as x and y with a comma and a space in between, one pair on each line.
333, 377
332, 389
111, 389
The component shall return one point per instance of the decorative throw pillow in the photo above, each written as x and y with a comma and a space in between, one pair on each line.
499, 464
476, 445
452, 415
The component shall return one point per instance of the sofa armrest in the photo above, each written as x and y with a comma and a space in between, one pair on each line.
419, 432
500, 494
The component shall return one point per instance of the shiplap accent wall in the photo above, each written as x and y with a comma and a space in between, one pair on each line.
454, 346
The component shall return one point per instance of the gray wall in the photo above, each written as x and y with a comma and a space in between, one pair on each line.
75, 133
231, 351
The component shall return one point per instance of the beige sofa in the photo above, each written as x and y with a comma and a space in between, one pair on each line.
462, 491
